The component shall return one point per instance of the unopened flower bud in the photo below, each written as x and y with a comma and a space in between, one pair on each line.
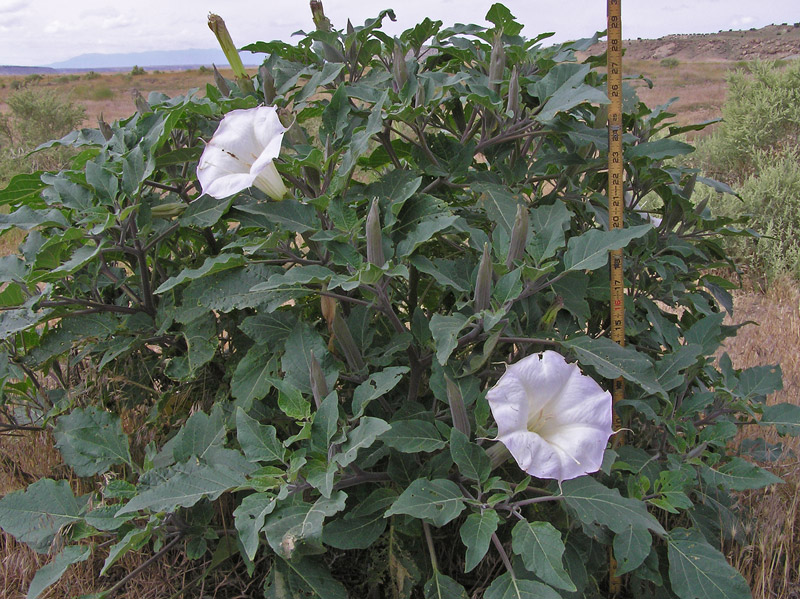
374, 235
142, 106
497, 62
498, 454
220, 82
321, 22
293, 131
319, 387
457, 408
688, 189
483, 284
519, 236
105, 128
217, 25
344, 338
267, 84
399, 69
512, 107
549, 317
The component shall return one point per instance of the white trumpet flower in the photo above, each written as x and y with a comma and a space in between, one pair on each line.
241, 154
553, 420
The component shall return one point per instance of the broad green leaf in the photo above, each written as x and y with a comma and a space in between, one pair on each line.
540, 546
104, 518
590, 250
289, 216
296, 361
670, 367
249, 519
506, 586
594, 502
377, 385
612, 360
413, 436
205, 211
759, 381
51, 572
698, 571
291, 400
476, 533
440, 586
445, 272
499, 203
258, 441
549, 224
251, 378
133, 540
27, 218
91, 440
706, 332
564, 87
470, 458
297, 530
269, 329
445, 330
658, 149
631, 547
35, 515
211, 266
362, 436
739, 475
785, 417
420, 219
317, 581
21, 187
188, 484
437, 501
363, 524
201, 434
325, 423
299, 275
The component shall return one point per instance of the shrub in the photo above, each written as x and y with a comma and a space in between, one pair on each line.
92, 75
102, 92
670, 63
137, 70
299, 387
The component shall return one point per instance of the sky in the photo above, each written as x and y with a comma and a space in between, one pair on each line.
40, 32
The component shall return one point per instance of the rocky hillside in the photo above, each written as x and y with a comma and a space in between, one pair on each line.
768, 43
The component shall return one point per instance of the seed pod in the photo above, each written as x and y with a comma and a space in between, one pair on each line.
497, 62
519, 236
374, 236
142, 106
220, 82
483, 283
321, 22
344, 338
512, 107
267, 84
105, 128
399, 69
319, 387
457, 408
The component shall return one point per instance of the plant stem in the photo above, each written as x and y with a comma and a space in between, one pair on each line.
503, 555
429, 540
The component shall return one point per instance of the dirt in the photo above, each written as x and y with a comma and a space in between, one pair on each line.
772, 42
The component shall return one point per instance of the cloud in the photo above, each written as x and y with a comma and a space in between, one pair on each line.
10, 6
742, 21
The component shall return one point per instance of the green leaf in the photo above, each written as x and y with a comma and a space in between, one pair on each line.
362, 436
21, 187
739, 475
759, 381
258, 441
210, 266
50, 573
445, 330
377, 385
440, 586
317, 579
476, 533
413, 436
698, 571
669, 369
205, 211
201, 435
362, 525
420, 219
785, 417
549, 224
612, 360
295, 530
590, 250
290, 216
540, 546
325, 423
133, 540
294, 277
506, 586
91, 440
35, 515
437, 501
594, 502
631, 547
499, 203
188, 484
470, 458
249, 519
658, 149
296, 361
251, 378
571, 92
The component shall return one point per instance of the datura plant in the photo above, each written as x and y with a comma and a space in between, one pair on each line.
391, 382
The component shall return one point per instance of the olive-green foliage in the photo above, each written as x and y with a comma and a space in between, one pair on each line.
755, 151
34, 117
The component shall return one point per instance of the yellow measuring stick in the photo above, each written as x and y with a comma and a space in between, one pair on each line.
616, 173
616, 206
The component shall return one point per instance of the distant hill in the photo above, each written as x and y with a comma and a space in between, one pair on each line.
157, 58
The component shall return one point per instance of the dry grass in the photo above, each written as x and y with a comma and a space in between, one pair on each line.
771, 561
